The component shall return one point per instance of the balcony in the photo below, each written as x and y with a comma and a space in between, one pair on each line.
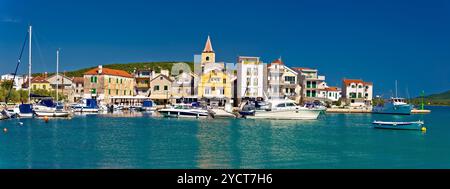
142, 85
315, 78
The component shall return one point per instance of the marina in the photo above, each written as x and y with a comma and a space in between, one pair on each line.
147, 140
231, 85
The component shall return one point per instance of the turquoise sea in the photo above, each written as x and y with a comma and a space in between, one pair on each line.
145, 141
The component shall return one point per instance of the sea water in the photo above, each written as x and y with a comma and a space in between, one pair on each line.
146, 141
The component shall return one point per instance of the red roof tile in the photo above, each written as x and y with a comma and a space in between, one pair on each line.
278, 61
332, 89
349, 81
109, 71
78, 80
39, 79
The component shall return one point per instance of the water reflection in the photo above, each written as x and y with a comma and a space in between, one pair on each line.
136, 140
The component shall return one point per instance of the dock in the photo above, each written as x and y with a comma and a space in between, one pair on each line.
340, 110
420, 111
219, 113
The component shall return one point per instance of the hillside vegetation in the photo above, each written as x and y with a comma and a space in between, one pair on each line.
129, 67
435, 99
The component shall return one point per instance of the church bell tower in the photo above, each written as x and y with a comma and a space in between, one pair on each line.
208, 55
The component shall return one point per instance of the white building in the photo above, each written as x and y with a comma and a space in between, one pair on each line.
282, 81
313, 85
357, 93
250, 78
18, 80
332, 94
62, 81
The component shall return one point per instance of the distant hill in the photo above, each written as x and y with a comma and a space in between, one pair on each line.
129, 67
434, 99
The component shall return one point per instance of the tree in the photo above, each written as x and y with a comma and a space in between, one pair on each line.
6, 84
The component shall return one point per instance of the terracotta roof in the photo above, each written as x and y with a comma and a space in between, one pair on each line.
39, 79
278, 61
208, 46
332, 89
349, 81
109, 71
78, 79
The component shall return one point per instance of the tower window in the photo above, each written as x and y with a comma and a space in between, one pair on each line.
207, 58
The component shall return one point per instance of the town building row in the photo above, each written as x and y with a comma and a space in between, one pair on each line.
211, 82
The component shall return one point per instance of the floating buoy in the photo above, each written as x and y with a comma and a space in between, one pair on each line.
5, 130
46, 119
424, 129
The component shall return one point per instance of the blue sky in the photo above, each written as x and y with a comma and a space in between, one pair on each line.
378, 41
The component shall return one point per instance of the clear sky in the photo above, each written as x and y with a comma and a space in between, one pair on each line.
379, 41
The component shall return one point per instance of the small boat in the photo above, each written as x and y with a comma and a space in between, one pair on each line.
394, 106
251, 107
24, 110
47, 107
417, 125
86, 105
147, 105
315, 105
185, 111
286, 109
6, 114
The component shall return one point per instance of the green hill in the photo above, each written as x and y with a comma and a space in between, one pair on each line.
434, 99
129, 67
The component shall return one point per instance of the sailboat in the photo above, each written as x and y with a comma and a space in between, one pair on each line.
26, 110
395, 105
46, 108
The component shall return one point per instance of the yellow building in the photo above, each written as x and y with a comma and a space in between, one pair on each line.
215, 85
39, 83
104, 83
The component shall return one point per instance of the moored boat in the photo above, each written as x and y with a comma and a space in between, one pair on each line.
416, 125
394, 106
47, 107
24, 110
286, 109
185, 111
86, 105
147, 105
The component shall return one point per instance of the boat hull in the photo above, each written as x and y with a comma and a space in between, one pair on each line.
25, 115
52, 114
301, 114
183, 113
398, 126
88, 110
397, 109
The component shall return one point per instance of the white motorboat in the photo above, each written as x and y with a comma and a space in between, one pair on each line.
86, 105
286, 109
184, 110
46, 107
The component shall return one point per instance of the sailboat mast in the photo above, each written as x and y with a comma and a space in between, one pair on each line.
29, 65
57, 73
396, 89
